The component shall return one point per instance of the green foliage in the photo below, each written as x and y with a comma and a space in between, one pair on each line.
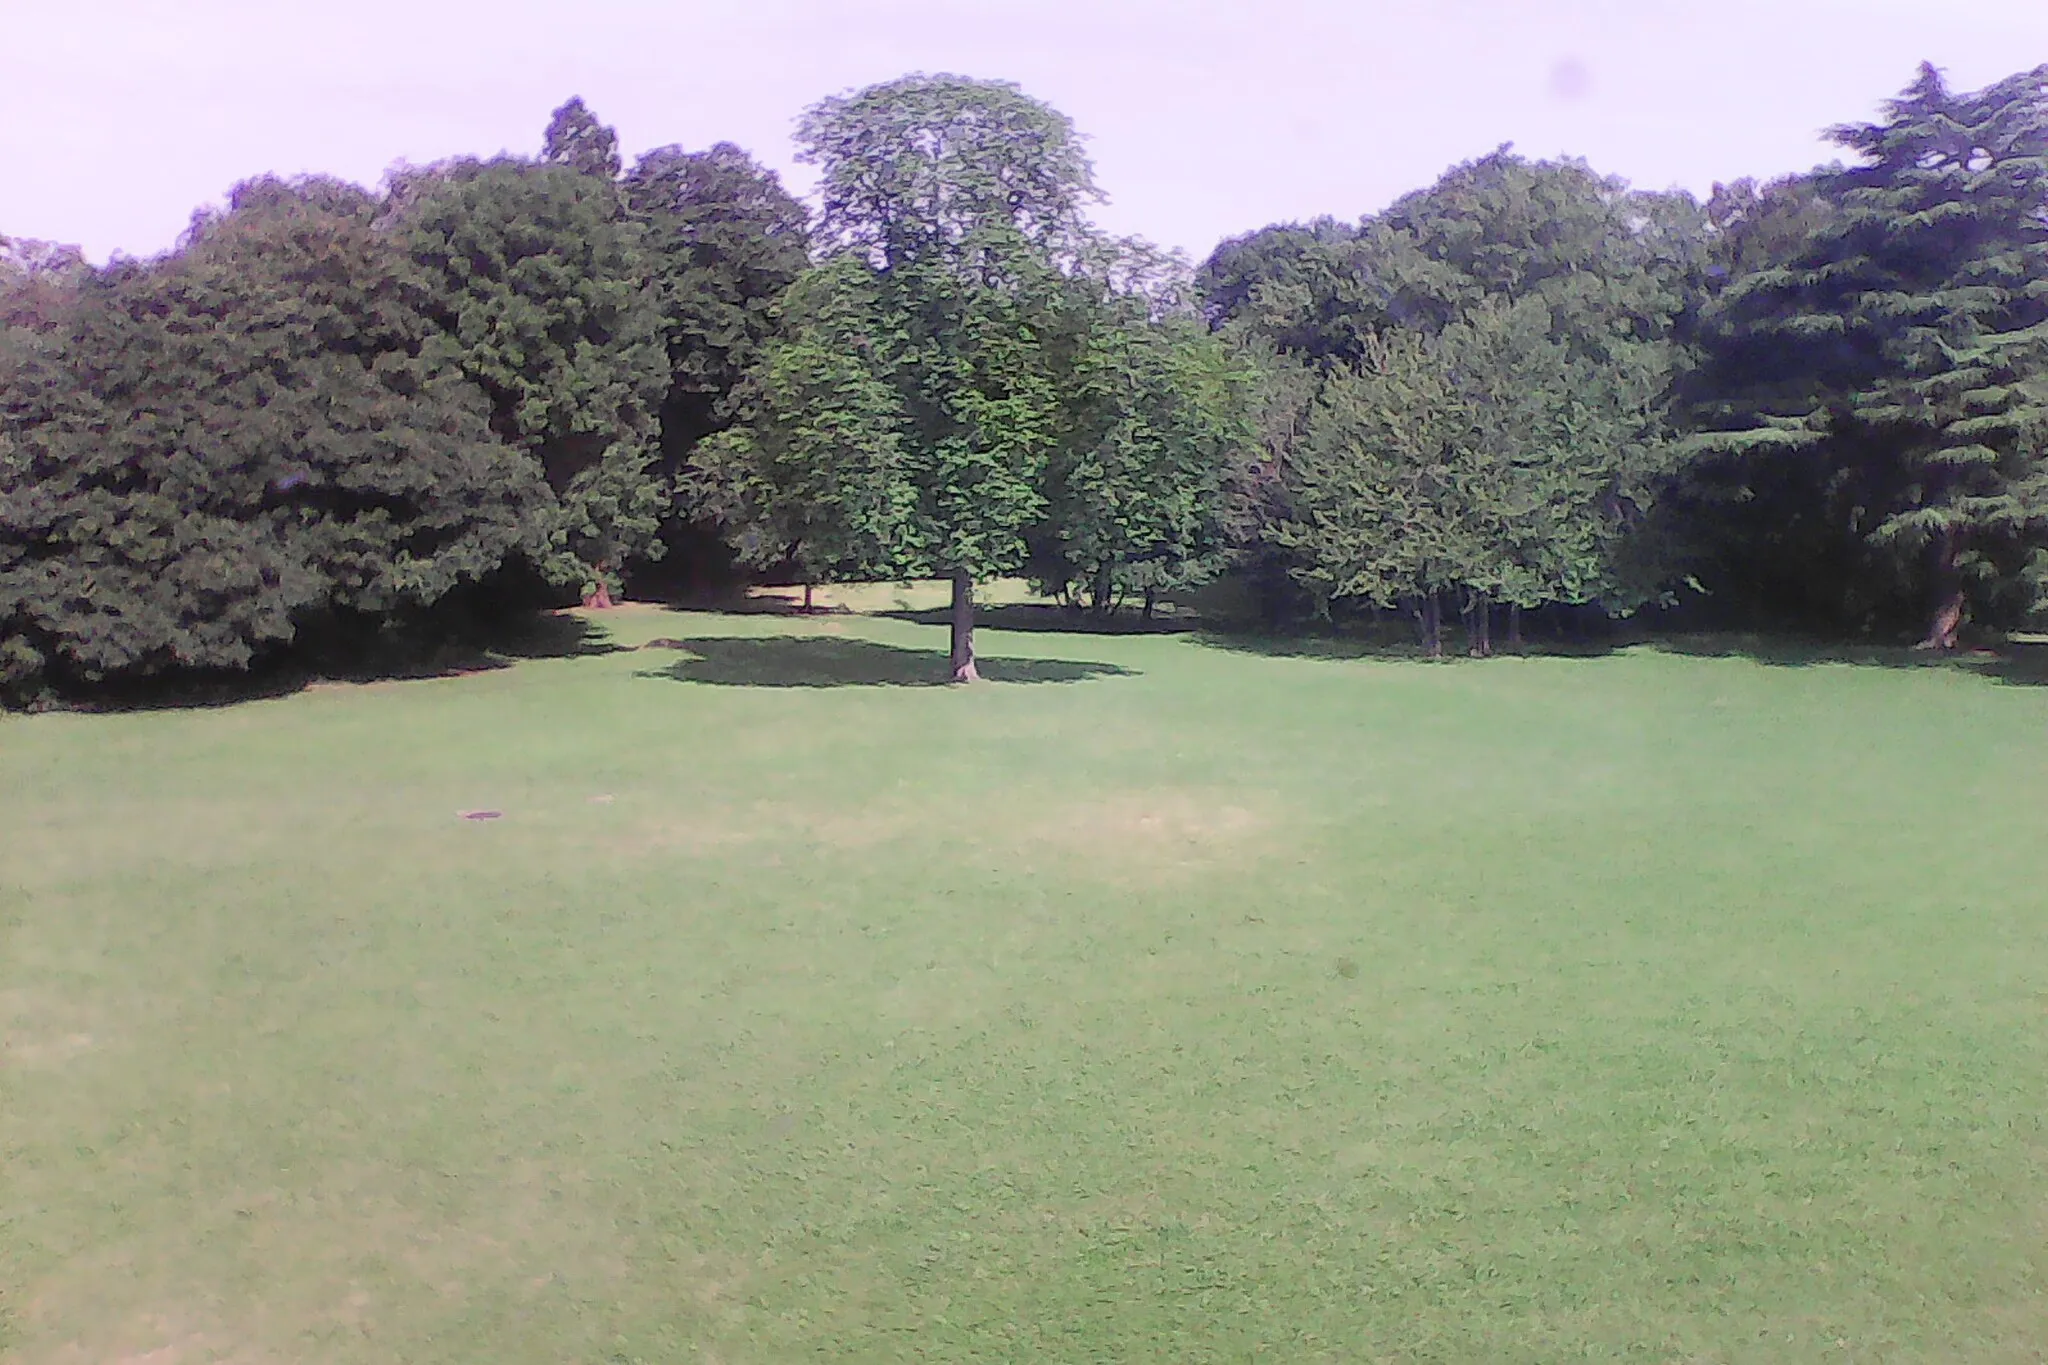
1492, 356
201, 450
545, 293
923, 341
1301, 289
815, 476
1897, 343
975, 379
576, 139
1156, 420
724, 241
925, 168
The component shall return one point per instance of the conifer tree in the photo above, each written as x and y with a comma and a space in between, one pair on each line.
200, 451
1906, 342
546, 297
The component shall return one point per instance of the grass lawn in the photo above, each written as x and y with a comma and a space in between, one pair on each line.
1156, 1002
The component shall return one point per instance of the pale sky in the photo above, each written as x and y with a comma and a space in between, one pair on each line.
1205, 118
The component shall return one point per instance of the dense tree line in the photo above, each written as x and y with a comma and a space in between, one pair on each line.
1819, 401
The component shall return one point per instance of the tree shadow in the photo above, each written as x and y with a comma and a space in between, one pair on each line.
1397, 649
551, 635
798, 661
322, 656
1043, 618
2022, 663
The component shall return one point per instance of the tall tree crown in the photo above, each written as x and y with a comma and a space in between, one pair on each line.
577, 140
946, 166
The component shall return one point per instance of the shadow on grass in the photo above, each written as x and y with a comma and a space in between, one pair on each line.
1396, 650
317, 658
1047, 619
2021, 663
793, 661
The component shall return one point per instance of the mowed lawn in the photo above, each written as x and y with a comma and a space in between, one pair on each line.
1157, 1001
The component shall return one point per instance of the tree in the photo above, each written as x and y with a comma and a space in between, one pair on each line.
814, 476
928, 169
546, 295
1156, 416
961, 199
1556, 303
576, 139
1378, 486
1301, 288
207, 449
1904, 345
1486, 459
725, 242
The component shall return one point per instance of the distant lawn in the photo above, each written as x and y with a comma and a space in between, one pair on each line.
1164, 1002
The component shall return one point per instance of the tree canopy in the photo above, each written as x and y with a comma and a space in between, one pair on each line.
1820, 399
265, 425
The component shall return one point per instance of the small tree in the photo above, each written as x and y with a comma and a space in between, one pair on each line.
813, 476
1157, 416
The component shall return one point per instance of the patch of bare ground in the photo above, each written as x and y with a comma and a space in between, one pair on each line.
1150, 831
35, 1034
1155, 830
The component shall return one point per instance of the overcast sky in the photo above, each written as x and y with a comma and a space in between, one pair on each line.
118, 117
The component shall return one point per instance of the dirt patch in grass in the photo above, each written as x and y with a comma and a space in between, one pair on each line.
36, 1033
1155, 830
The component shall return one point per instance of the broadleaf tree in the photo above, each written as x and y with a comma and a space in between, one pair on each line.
950, 207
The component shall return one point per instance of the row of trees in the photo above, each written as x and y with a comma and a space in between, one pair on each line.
1822, 399
335, 408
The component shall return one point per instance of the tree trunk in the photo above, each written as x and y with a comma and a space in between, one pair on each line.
1515, 626
600, 598
1432, 626
963, 628
807, 599
1948, 583
1482, 626
1151, 601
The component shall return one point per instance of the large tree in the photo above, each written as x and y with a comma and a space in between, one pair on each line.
950, 207
547, 297
725, 241
202, 450
1899, 348
1485, 459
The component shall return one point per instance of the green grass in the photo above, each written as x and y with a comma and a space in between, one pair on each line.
1163, 1003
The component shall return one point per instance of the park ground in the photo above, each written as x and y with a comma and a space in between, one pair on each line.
1163, 999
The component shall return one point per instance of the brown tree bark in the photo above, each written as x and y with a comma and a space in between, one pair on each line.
963, 628
1514, 625
1432, 626
1948, 582
1482, 627
1151, 601
807, 599
601, 598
